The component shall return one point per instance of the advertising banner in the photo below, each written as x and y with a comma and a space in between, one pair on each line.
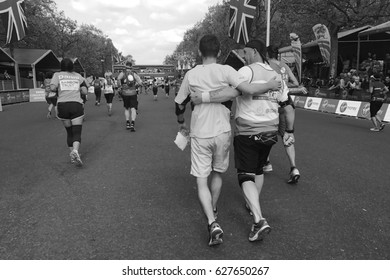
329, 105
300, 101
364, 111
37, 95
348, 108
323, 39
384, 112
313, 103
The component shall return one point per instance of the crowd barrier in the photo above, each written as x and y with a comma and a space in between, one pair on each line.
14, 96
350, 108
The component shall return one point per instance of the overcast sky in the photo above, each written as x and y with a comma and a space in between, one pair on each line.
147, 29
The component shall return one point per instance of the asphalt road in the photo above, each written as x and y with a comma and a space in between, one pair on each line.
135, 199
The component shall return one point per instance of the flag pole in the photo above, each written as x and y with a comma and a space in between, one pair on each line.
268, 21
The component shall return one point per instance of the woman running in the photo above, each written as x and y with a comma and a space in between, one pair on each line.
50, 96
69, 84
109, 93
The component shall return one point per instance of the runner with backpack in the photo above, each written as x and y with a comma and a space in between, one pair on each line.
127, 85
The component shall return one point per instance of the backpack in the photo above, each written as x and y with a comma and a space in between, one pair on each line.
129, 80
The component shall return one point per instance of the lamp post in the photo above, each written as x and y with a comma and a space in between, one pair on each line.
102, 60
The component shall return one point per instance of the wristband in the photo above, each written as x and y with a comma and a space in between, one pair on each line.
205, 97
289, 131
180, 122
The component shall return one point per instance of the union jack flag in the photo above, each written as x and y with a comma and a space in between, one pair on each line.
17, 22
241, 17
120, 59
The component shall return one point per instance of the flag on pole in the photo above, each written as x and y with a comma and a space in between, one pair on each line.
241, 17
297, 51
14, 20
323, 39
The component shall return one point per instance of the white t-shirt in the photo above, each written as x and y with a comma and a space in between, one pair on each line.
255, 114
209, 119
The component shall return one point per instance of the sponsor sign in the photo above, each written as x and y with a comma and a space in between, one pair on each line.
37, 95
329, 105
348, 108
385, 114
313, 103
1, 108
364, 111
300, 101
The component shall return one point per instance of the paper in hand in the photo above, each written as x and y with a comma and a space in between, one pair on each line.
181, 141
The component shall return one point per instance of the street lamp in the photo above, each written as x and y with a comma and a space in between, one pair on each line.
102, 60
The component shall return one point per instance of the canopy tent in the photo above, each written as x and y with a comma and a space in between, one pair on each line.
381, 28
36, 60
8, 62
379, 34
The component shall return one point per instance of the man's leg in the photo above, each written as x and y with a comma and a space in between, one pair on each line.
205, 199
251, 190
127, 117
216, 186
374, 121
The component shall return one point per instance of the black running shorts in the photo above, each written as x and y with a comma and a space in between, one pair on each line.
130, 101
109, 97
51, 100
250, 155
70, 110
375, 106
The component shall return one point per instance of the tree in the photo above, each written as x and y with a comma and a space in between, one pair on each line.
49, 28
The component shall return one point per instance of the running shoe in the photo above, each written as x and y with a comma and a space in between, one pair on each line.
267, 167
374, 129
216, 234
127, 125
382, 126
294, 176
132, 128
259, 230
75, 158
248, 209
109, 112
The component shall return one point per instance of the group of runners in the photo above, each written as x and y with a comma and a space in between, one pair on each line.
66, 92
260, 90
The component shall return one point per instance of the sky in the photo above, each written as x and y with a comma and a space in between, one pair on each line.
149, 30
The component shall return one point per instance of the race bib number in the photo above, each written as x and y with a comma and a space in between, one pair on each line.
69, 85
52, 94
